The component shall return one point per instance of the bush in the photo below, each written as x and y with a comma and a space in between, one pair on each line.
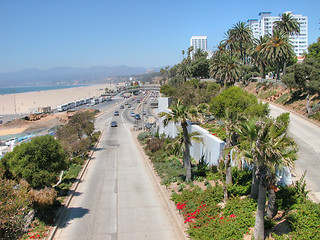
15, 203
39, 162
142, 136
305, 221
154, 144
241, 182
43, 198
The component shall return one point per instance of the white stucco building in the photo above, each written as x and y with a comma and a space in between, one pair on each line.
264, 25
198, 42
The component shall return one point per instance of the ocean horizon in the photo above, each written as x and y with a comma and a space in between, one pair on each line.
11, 90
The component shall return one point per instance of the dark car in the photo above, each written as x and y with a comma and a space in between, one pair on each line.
116, 113
114, 124
138, 101
137, 116
121, 107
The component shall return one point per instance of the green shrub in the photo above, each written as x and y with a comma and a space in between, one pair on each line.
142, 136
283, 98
267, 94
305, 221
241, 182
316, 116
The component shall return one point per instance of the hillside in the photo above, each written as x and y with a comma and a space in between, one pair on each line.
295, 101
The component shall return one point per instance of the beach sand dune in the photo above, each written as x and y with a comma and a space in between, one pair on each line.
25, 103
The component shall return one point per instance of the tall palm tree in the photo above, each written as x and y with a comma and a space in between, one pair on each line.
288, 24
270, 149
258, 55
229, 43
184, 70
278, 49
242, 34
180, 113
226, 68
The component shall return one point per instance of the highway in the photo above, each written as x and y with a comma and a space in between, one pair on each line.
116, 198
307, 136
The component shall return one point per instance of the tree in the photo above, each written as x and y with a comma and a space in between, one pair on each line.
184, 70
314, 50
237, 101
278, 49
168, 90
242, 35
83, 124
200, 67
288, 24
225, 68
177, 145
38, 161
305, 77
268, 149
180, 114
76, 136
258, 55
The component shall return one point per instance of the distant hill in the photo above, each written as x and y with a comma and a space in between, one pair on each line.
65, 75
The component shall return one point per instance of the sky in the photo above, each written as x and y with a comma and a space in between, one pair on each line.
44, 34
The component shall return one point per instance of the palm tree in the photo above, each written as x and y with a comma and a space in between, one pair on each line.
269, 149
229, 43
288, 24
177, 145
242, 35
226, 68
278, 49
184, 70
180, 113
258, 55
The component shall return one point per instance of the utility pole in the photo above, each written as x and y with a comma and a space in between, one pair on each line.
14, 100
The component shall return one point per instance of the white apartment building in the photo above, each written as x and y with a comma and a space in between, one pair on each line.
264, 26
198, 42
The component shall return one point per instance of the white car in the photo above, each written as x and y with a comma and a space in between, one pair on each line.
132, 108
132, 114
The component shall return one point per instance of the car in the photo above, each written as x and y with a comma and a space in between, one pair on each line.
132, 108
138, 101
144, 113
116, 113
121, 107
129, 106
132, 114
126, 103
137, 116
114, 124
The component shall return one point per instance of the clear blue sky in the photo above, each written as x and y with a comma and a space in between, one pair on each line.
83, 33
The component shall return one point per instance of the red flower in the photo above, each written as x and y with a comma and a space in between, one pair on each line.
232, 216
222, 218
189, 219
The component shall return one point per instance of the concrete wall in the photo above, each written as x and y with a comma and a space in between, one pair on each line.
211, 148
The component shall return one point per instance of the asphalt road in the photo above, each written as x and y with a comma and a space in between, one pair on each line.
307, 136
116, 198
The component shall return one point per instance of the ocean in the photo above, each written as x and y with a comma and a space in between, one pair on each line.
34, 89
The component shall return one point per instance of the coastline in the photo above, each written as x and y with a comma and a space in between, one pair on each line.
24, 103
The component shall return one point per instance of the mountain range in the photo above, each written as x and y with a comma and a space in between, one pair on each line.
65, 75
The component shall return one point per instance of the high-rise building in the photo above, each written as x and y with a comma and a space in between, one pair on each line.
198, 42
265, 24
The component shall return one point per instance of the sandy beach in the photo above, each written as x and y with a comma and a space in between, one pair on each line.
29, 102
